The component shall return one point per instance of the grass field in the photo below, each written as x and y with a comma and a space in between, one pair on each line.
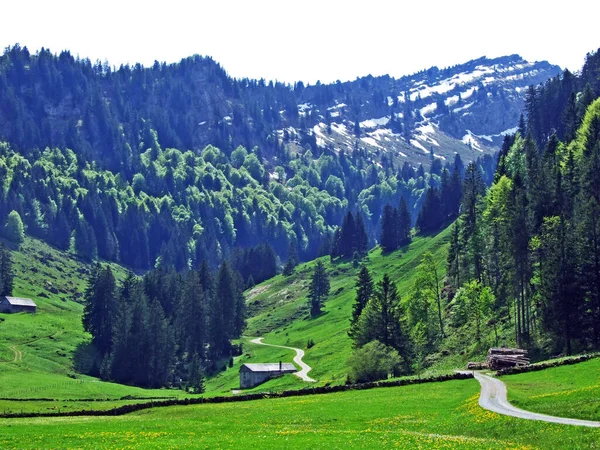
566, 391
433, 416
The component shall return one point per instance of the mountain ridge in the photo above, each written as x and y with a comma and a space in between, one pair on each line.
51, 100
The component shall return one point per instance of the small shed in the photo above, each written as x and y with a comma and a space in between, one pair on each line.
254, 374
17, 304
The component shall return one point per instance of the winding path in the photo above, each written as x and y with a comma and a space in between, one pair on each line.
303, 373
493, 398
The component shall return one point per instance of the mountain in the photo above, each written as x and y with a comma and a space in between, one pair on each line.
103, 113
465, 109
175, 164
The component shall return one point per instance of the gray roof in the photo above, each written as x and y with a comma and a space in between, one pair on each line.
17, 301
269, 367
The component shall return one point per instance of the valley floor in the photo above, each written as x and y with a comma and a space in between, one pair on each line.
439, 415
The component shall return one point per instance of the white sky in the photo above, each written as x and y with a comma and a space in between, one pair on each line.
307, 40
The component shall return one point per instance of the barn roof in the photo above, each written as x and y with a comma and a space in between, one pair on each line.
18, 301
269, 367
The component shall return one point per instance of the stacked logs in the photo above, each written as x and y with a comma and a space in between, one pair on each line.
501, 358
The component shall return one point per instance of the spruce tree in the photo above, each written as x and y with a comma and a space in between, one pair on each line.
6, 272
381, 318
100, 309
388, 236
361, 240
404, 223
364, 292
319, 289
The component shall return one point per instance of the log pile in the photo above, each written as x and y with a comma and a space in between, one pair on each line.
477, 366
501, 358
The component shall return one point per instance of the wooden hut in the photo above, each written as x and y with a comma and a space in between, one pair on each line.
16, 304
254, 374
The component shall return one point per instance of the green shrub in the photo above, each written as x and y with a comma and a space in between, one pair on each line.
373, 361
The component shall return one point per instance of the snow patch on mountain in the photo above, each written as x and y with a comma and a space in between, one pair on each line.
417, 144
374, 123
372, 142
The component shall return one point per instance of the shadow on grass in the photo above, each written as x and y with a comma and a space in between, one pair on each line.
86, 359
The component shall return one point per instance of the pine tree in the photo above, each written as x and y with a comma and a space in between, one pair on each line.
100, 309
6, 272
364, 292
319, 289
404, 223
195, 378
453, 264
473, 191
430, 216
381, 318
361, 240
388, 238
292, 260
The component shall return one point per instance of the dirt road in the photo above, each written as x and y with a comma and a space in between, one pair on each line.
493, 398
305, 368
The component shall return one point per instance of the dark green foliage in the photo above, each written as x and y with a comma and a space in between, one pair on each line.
388, 239
364, 292
85, 241
350, 238
258, 262
167, 328
381, 319
431, 215
319, 289
533, 241
101, 305
6, 271
395, 227
292, 260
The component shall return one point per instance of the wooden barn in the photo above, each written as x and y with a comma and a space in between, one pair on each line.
254, 374
16, 304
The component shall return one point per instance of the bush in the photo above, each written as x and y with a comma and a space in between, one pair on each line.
310, 343
15, 231
374, 361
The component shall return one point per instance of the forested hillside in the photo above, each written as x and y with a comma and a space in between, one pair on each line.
521, 264
94, 163
533, 239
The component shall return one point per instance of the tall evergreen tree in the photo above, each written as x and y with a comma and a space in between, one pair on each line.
319, 289
404, 223
388, 238
100, 309
381, 318
6, 271
364, 292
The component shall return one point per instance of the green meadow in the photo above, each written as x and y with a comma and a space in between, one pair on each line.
431, 416
566, 391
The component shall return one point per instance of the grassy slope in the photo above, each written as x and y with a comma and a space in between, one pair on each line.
440, 415
566, 391
44, 344
278, 310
